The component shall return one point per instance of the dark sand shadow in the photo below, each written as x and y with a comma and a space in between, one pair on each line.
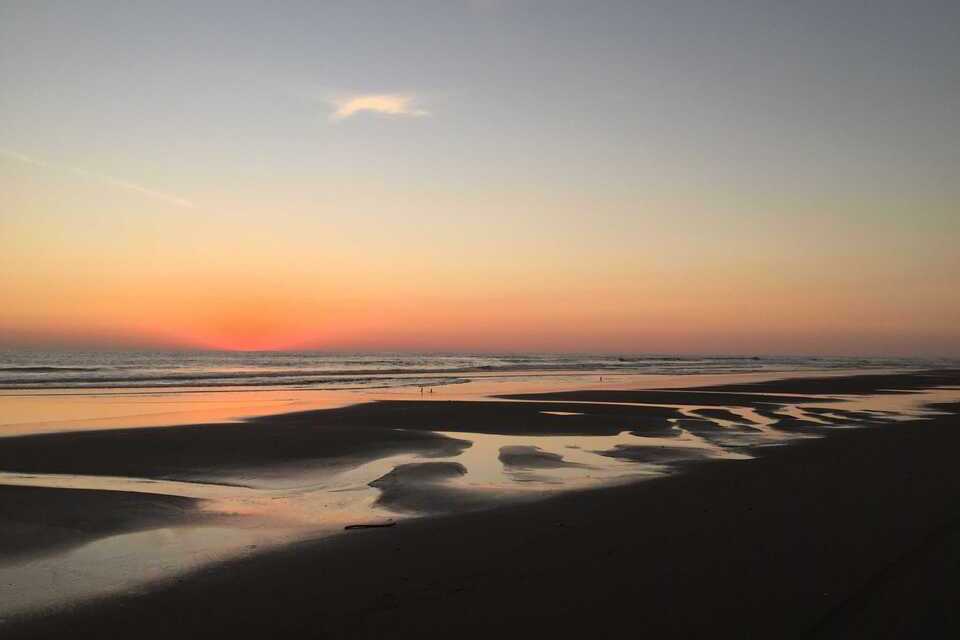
724, 414
861, 384
524, 457
38, 520
207, 452
420, 487
336, 438
669, 397
658, 454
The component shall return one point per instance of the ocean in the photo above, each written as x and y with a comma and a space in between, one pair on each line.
319, 370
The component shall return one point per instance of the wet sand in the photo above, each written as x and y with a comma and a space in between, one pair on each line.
41, 519
851, 535
855, 384
202, 452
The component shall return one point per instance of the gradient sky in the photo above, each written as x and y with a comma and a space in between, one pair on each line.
664, 176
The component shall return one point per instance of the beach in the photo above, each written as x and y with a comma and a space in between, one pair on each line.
779, 505
479, 319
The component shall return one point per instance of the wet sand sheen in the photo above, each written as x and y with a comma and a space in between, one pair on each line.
411, 457
44, 519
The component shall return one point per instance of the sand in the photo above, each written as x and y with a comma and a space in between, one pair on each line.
856, 535
41, 519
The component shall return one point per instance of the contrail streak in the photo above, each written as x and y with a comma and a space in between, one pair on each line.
98, 177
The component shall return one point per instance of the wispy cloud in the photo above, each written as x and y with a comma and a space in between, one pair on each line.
99, 177
391, 104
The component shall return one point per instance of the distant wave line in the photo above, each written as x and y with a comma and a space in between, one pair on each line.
324, 374
48, 369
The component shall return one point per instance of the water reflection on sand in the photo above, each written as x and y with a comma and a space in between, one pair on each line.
247, 510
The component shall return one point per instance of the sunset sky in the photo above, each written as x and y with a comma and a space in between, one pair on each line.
499, 175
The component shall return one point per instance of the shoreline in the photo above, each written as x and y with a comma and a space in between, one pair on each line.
31, 411
579, 527
226, 370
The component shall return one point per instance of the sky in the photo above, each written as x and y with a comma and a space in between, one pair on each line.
504, 175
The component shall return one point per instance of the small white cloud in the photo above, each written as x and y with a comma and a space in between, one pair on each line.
391, 104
